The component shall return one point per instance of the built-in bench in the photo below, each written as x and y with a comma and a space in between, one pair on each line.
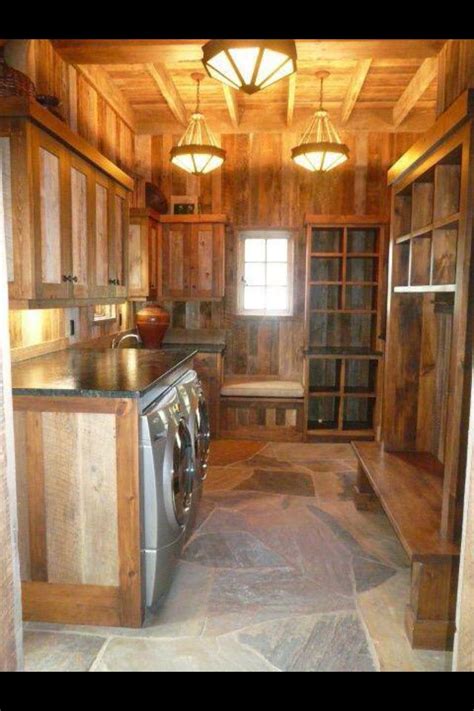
256, 407
409, 486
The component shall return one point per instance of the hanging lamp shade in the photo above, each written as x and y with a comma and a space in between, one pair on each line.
249, 65
320, 148
197, 151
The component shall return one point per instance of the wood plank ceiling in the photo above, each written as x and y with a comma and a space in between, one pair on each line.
386, 85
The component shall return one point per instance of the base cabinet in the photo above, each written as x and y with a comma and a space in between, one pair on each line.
78, 510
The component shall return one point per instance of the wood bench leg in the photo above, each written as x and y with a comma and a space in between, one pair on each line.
430, 615
364, 497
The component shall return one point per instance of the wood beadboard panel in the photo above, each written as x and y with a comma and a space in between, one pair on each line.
456, 71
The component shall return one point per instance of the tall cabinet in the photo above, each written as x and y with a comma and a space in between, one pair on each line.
418, 471
344, 326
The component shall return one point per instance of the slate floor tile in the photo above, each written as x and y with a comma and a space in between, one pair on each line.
49, 651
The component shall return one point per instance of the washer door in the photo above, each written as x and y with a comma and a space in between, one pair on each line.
203, 435
183, 472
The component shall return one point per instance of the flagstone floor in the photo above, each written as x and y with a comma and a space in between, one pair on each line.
281, 574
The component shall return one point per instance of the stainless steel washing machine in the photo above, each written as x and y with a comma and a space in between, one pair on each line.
194, 409
167, 475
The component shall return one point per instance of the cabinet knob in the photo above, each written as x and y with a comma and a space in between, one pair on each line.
75, 279
67, 277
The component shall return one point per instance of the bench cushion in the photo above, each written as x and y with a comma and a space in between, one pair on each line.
264, 388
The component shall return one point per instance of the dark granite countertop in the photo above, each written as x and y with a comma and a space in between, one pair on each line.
204, 340
127, 372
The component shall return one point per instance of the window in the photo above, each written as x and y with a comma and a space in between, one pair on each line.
265, 273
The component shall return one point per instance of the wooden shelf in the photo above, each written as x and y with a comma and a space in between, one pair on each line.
343, 311
333, 352
435, 225
409, 487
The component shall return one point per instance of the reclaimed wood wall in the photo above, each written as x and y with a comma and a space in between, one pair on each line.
83, 107
259, 186
456, 71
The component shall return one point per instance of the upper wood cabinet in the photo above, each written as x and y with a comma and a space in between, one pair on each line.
64, 211
192, 257
144, 235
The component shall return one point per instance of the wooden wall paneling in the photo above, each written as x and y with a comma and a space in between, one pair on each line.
455, 71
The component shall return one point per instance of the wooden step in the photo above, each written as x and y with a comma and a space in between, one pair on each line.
409, 488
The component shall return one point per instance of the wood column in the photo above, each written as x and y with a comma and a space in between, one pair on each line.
11, 655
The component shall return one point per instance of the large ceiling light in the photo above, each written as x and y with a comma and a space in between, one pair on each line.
249, 65
197, 151
320, 148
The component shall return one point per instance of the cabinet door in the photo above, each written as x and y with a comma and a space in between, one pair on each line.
153, 259
51, 190
82, 225
99, 281
207, 261
175, 261
118, 259
138, 258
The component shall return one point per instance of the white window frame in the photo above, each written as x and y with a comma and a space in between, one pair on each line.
266, 235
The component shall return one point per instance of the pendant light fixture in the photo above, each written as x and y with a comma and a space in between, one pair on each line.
249, 65
320, 148
197, 151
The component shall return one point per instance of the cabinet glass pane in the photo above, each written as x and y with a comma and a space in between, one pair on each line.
50, 218
102, 242
360, 375
79, 224
324, 375
325, 296
360, 297
361, 269
362, 240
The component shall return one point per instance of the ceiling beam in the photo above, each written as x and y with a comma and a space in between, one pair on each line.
101, 81
355, 87
290, 108
166, 85
232, 107
415, 89
130, 51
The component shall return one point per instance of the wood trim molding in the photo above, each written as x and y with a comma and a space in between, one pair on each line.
26, 108
345, 220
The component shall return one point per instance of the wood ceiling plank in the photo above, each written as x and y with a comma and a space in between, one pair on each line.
290, 110
415, 89
100, 80
231, 102
354, 88
132, 51
166, 85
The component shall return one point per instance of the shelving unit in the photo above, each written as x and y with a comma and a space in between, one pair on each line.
344, 324
418, 471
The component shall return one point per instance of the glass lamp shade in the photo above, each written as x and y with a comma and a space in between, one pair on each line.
197, 152
249, 65
320, 156
197, 159
320, 148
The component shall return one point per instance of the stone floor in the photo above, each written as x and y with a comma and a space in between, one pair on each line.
281, 574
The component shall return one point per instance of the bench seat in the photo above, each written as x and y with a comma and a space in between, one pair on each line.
263, 388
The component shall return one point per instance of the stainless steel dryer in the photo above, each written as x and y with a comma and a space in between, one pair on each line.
167, 479
194, 409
